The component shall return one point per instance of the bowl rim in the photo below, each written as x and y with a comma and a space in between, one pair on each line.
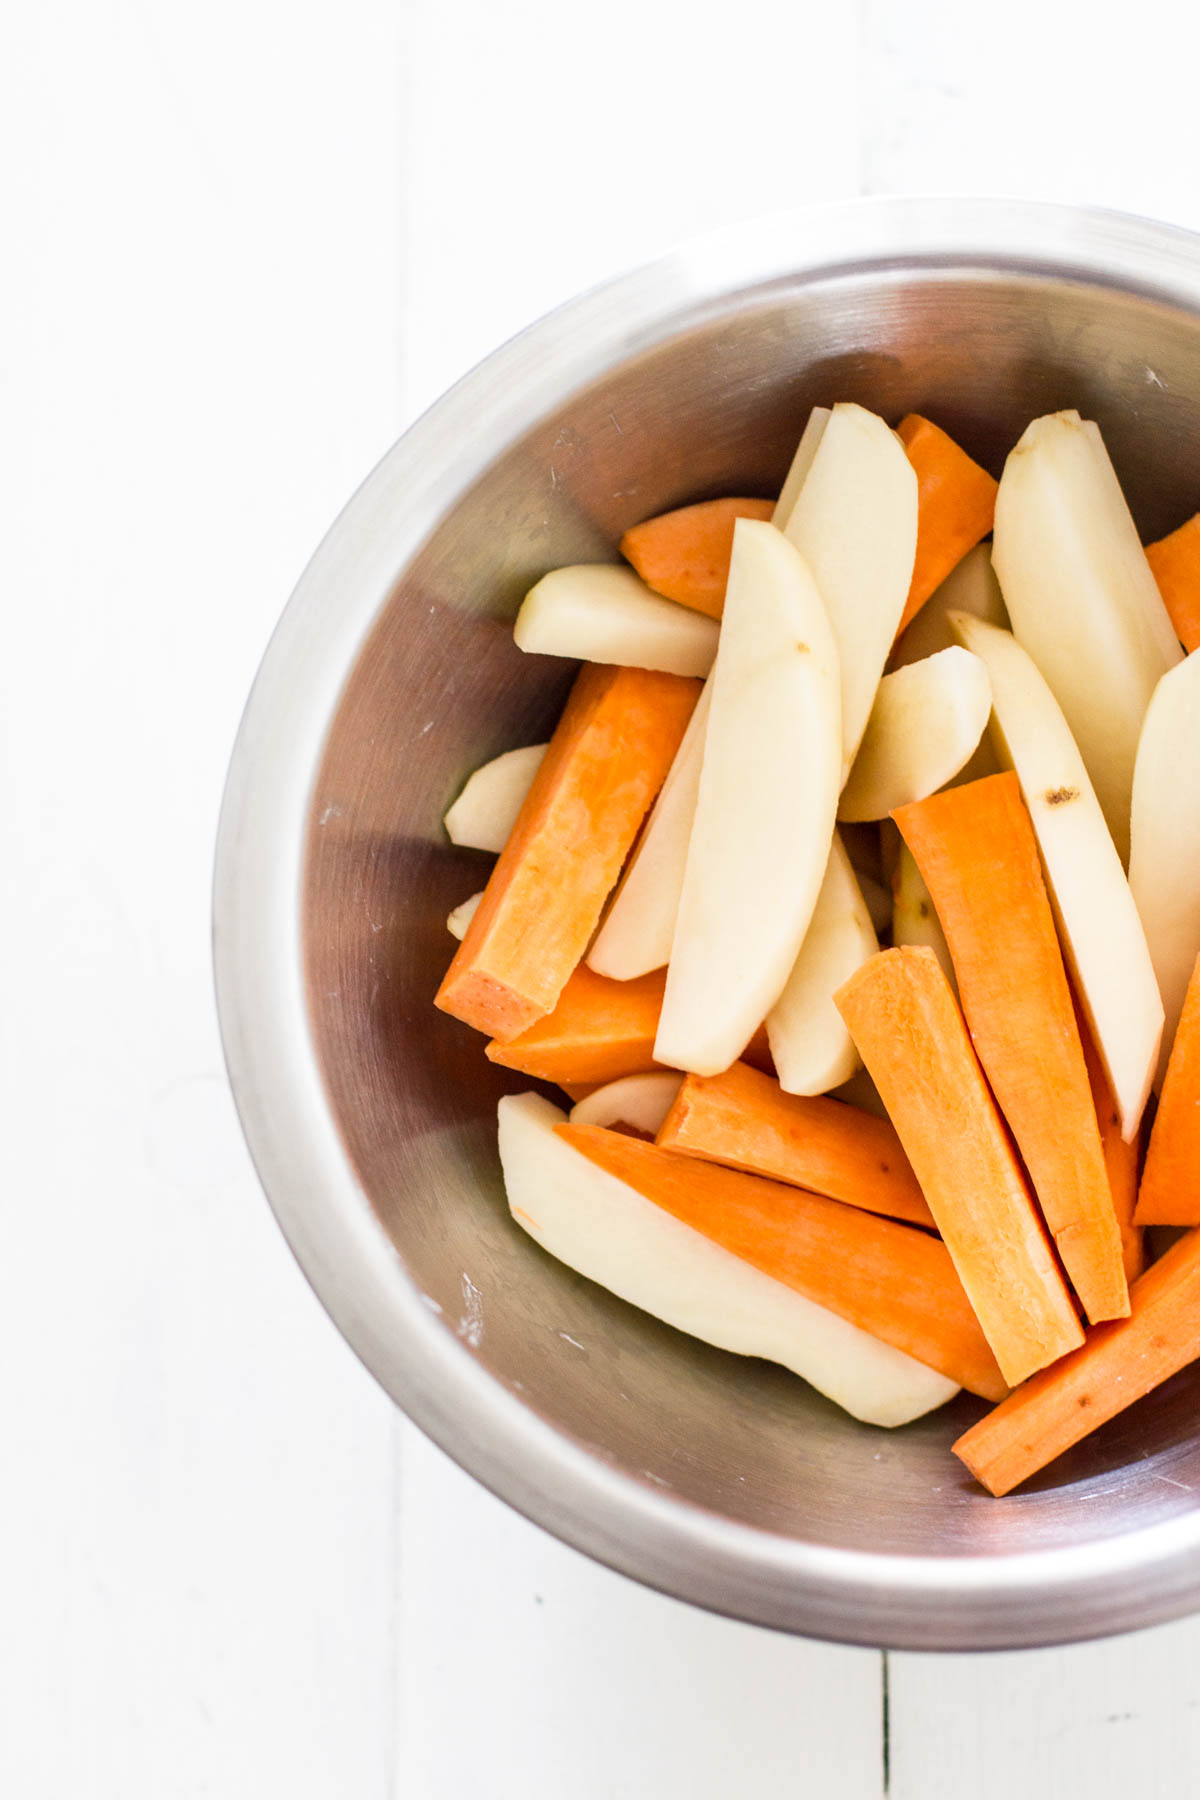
1062, 1594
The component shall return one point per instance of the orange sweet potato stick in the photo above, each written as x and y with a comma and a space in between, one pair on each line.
1121, 1160
745, 1121
1119, 1363
956, 502
897, 1283
976, 850
1175, 561
606, 762
912, 1037
1170, 1190
685, 554
599, 1031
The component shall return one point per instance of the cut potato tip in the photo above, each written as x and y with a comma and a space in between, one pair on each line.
925, 725
460, 918
638, 1102
486, 811
764, 814
603, 612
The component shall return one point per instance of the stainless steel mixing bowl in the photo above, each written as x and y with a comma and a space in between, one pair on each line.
372, 1117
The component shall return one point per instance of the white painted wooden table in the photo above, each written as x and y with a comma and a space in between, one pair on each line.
244, 244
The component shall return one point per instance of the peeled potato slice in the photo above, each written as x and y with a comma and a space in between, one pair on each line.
636, 934
601, 1227
1164, 856
601, 612
639, 1101
460, 918
855, 523
1082, 598
764, 815
801, 463
1098, 922
486, 811
924, 727
810, 1045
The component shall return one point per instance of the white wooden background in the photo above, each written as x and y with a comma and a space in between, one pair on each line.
243, 243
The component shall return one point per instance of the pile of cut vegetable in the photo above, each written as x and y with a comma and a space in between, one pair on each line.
801, 728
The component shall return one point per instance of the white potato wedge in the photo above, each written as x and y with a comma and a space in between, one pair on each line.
810, 1046
601, 1227
855, 524
486, 811
801, 463
602, 612
970, 588
1098, 922
640, 1101
1082, 598
1156, 617
640, 923
1164, 855
460, 918
925, 725
914, 917
764, 815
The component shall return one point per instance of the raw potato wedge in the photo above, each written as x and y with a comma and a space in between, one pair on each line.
1101, 932
801, 463
486, 811
1164, 853
971, 588
605, 1230
924, 727
855, 524
914, 916
1082, 598
602, 613
638, 930
460, 918
764, 816
810, 1045
639, 1102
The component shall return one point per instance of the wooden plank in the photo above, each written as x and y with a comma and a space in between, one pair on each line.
1117, 1717
199, 309
526, 1670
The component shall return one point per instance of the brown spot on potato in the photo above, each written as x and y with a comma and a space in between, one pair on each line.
923, 908
1060, 796
803, 649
